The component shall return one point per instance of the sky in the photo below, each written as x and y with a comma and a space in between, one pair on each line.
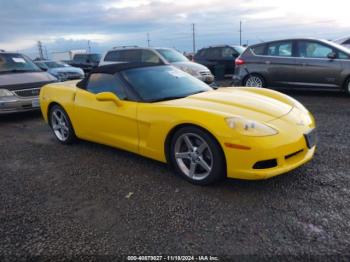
69, 24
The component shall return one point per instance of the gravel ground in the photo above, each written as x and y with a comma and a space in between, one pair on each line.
92, 200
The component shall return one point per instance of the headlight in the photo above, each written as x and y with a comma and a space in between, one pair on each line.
189, 71
250, 127
5, 92
61, 76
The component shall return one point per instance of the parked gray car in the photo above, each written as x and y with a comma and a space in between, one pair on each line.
298, 63
158, 56
20, 83
60, 70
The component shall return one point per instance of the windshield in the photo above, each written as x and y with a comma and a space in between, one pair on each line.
172, 56
16, 63
53, 64
94, 57
159, 83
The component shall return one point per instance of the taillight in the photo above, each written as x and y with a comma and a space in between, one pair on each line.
239, 61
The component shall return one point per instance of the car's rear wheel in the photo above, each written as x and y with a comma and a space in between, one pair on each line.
61, 125
254, 81
197, 156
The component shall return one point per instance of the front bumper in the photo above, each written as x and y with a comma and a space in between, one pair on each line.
15, 104
269, 156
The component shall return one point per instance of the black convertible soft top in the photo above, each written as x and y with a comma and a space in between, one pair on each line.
113, 69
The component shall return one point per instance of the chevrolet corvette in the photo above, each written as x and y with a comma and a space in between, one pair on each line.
165, 114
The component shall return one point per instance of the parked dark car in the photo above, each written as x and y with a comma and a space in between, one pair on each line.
219, 59
297, 63
85, 61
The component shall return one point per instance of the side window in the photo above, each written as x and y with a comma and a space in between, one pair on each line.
149, 57
259, 49
130, 55
312, 49
99, 83
112, 56
229, 53
204, 53
214, 53
342, 55
280, 49
200, 53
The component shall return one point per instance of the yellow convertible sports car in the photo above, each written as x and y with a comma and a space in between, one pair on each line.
162, 113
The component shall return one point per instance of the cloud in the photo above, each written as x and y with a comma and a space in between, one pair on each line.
62, 24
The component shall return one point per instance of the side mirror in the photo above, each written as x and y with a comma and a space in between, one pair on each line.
108, 97
235, 55
332, 55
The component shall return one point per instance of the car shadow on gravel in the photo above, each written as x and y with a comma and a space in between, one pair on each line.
15, 117
156, 172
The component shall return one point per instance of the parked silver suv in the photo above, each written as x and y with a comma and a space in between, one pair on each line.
20, 83
295, 63
158, 56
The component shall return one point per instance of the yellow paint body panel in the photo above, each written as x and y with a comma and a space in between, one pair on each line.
143, 128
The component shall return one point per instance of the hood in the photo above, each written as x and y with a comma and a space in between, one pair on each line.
235, 102
66, 69
16, 81
190, 65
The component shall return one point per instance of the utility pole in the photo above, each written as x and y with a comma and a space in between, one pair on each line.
240, 32
194, 38
89, 47
148, 40
47, 56
41, 53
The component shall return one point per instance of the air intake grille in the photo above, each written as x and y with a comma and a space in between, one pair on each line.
28, 92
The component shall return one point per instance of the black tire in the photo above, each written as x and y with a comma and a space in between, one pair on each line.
211, 157
250, 79
63, 127
347, 87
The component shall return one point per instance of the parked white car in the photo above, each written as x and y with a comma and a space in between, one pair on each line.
127, 54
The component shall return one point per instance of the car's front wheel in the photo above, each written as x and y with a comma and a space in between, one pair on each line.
61, 125
254, 81
197, 156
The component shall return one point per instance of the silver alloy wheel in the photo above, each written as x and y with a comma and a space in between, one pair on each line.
193, 156
59, 124
254, 81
